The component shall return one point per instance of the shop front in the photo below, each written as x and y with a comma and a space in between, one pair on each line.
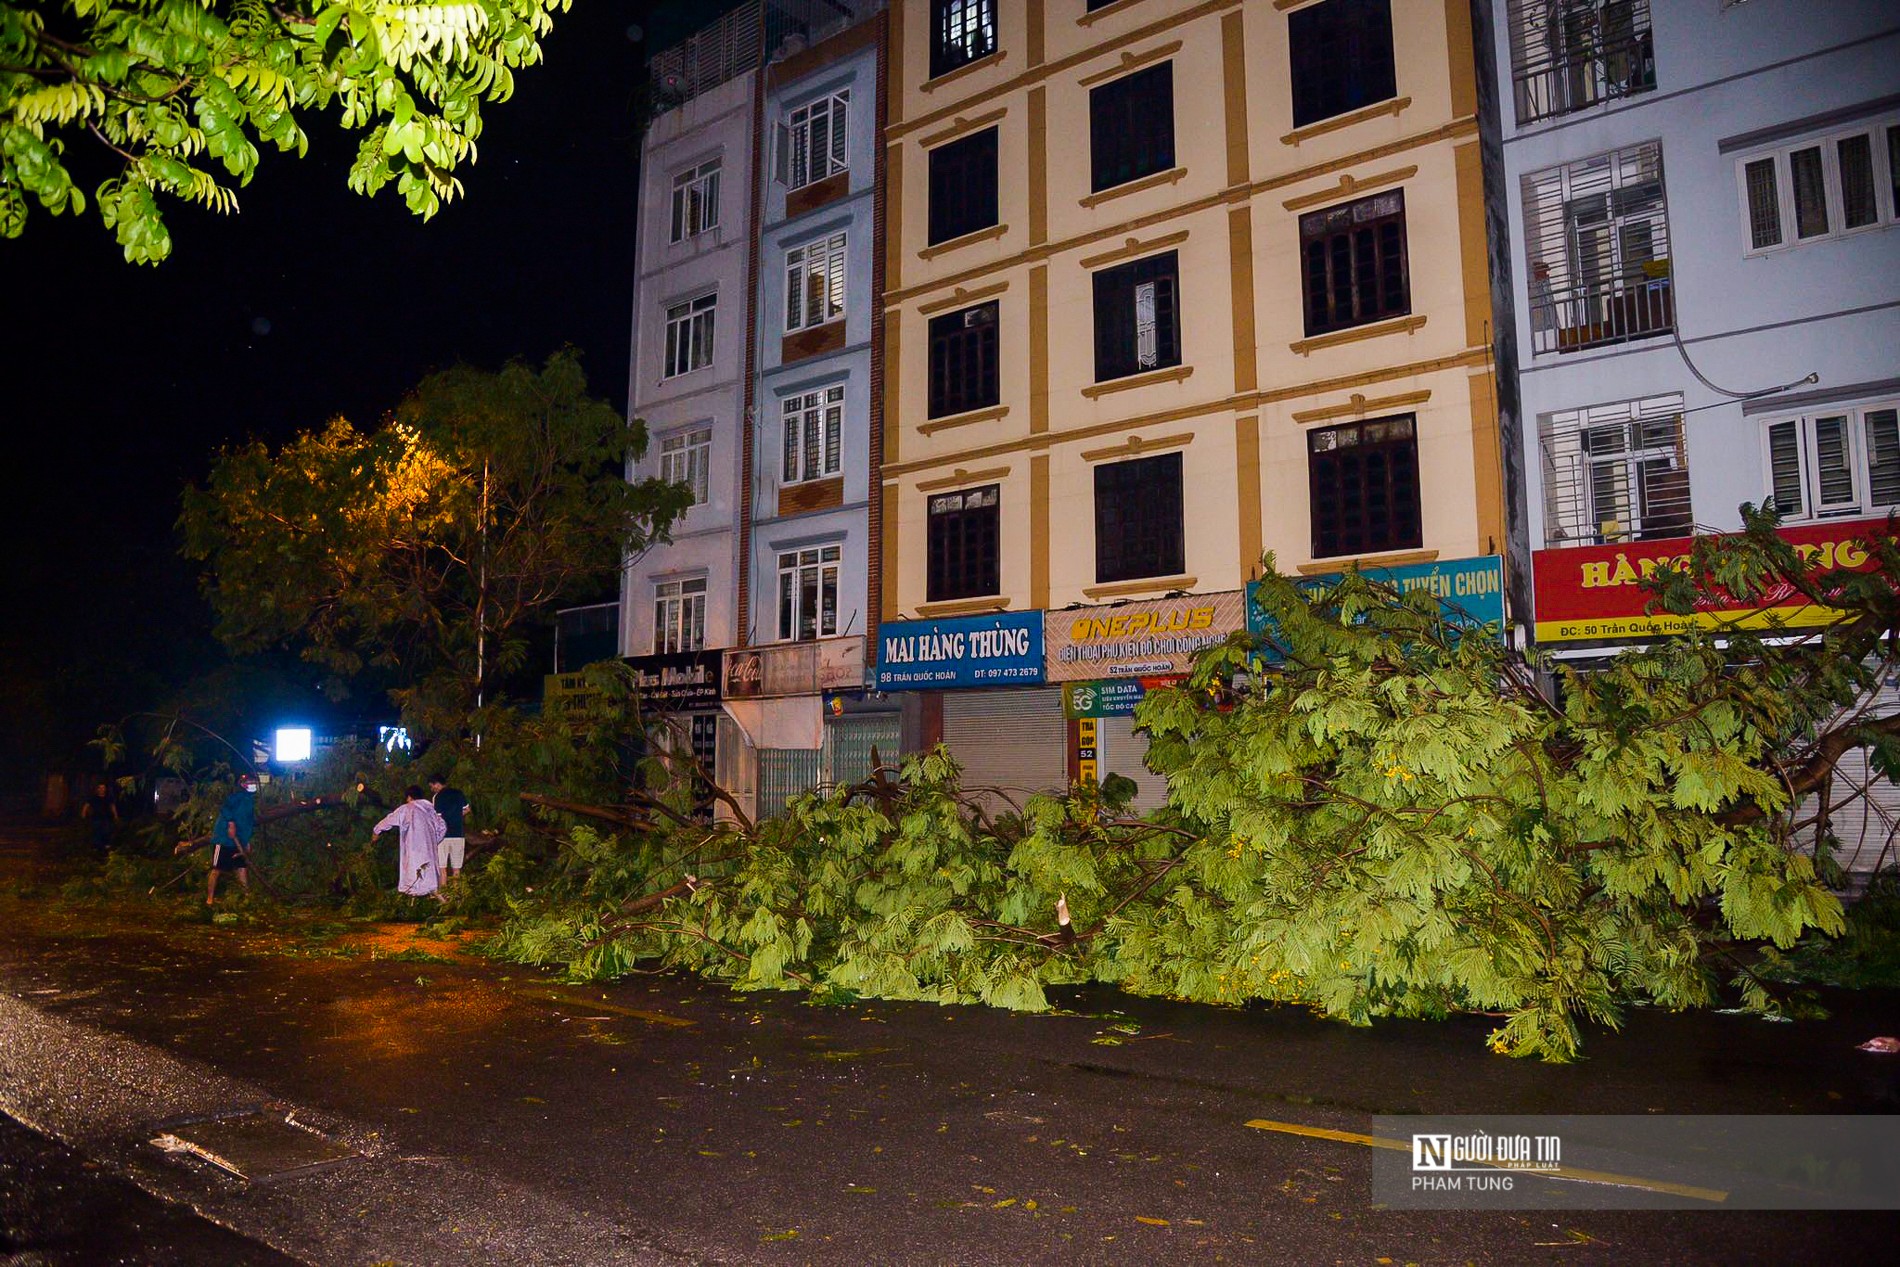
801, 719
1108, 657
982, 678
1591, 601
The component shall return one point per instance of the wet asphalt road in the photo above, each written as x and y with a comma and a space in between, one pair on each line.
57, 1209
507, 1117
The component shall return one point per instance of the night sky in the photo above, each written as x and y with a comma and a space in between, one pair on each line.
121, 382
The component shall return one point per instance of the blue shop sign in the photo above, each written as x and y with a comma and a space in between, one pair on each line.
1470, 590
994, 649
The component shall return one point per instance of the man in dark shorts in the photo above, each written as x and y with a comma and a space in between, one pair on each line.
231, 837
453, 807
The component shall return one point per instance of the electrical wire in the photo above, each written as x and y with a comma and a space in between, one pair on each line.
1675, 336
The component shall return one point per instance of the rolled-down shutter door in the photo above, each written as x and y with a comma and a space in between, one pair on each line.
1011, 741
1125, 753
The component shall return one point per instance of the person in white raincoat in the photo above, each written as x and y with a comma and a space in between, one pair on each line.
419, 830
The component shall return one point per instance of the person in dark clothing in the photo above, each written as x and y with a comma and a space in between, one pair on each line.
453, 807
231, 837
101, 815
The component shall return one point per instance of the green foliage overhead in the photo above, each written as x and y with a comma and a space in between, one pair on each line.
426, 545
185, 93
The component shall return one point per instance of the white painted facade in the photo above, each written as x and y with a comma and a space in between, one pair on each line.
1733, 84
715, 125
844, 521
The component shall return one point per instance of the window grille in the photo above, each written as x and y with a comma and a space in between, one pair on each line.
1569, 54
812, 145
1597, 236
961, 32
1615, 473
814, 283
814, 434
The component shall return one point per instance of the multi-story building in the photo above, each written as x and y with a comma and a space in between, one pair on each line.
679, 600
754, 326
1168, 285
1699, 204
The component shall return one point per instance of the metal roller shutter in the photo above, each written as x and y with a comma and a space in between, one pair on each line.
1014, 741
1125, 753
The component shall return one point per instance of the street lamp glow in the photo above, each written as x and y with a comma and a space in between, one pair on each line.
293, 743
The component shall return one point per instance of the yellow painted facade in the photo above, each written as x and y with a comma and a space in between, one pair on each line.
1250, 384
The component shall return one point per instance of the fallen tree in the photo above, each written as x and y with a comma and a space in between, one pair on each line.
1373, 812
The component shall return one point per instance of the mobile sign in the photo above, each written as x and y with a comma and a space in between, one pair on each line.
1470, 590
1152, 638
1111, 698
993, 649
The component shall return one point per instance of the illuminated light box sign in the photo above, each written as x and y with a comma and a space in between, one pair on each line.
1154, 638
993, 649
1115, 697
1596, 592
1470, 590
293, 743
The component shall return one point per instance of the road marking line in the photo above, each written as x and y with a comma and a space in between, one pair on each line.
1565, 1172
597, 1005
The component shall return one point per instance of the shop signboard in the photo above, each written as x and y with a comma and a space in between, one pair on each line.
1596, 592
992, 649
1470, 590
676, 682
796, 668
1153, 638
1110, 697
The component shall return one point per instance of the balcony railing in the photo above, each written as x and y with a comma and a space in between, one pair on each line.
1614, 311
1569, 54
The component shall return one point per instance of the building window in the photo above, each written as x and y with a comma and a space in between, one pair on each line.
963, 350
814, 283
1138, 519
1842, 461
814, 433
808, 593
695, 200
1615, 473
1353, 263
1822, 188
960, 32
689, 336
1364, 481
1131, 127
1342, 58
811, 144
1137, 317
685, 458
965, 544
679, 616
1597, 235
963, 186
1568, 54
